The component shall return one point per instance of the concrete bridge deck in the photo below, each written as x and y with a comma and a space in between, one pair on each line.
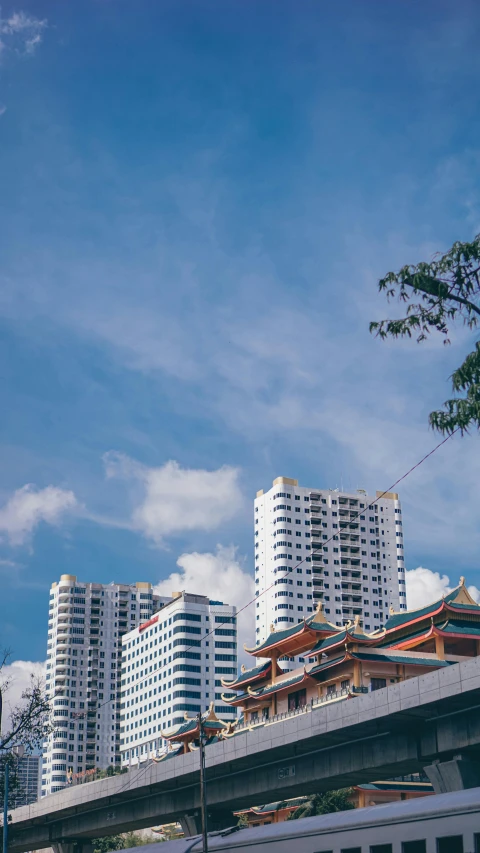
401, 729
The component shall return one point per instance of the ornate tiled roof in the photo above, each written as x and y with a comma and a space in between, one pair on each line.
314, 623
413, 787
246, 676
459, 599
236, 700
270, 808
457, 626
353, 634
190, 728
326, 664
279, 685
404, 658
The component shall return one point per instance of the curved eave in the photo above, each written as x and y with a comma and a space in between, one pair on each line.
405, 642
458, 635
468, 606
288, 684
236, 700
346, 638
180, 736
246, 679
327, 664
282, 643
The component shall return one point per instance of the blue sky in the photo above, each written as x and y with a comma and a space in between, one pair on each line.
197, 200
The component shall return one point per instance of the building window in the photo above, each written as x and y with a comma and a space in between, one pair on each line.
297, 700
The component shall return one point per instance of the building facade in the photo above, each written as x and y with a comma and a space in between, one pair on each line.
85, 624
26, 772
172, 666
311, 545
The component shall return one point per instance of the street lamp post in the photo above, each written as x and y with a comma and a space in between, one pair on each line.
5, 806
18, 752
203, 784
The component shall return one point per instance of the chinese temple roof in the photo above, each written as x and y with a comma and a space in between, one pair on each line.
269, 689
326, 664
246, 676
171, 753
404, 658
297, 638
456, 626
394, 785
459, 599
189, 730
271, 808
351, 633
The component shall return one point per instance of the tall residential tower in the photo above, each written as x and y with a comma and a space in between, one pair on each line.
349, 547
85, 624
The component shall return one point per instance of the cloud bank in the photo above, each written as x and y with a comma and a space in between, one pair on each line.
174, 499
21, 32
221, 576
424, 586
28, 507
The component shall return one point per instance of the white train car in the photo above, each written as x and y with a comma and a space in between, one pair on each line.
447, 823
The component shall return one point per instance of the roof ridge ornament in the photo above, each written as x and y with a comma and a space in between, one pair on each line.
462, 581
391, 610
243, 668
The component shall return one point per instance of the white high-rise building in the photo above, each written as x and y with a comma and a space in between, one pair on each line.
85, 624
169, 670
350, 550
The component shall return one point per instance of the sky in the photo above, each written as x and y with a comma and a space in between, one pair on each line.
197, 200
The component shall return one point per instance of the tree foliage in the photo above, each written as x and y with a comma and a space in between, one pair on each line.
326, 803
121, 842
28, 719
439, 294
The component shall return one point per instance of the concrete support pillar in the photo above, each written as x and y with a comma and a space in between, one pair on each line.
218, 819
83, 845
454, 775
191, 824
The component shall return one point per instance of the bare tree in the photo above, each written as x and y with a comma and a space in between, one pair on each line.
29, 718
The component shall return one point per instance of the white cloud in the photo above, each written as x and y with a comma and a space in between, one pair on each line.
424, 587
176, 499
222, 577
23, 32
3, 108
28, 507
18, 675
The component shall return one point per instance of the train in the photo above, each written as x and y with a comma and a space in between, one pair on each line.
444, 823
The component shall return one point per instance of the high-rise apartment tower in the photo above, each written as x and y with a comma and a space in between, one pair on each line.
85, 624
170, 671
26, 774
344, 549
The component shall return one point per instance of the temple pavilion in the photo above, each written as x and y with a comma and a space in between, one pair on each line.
184, 737
344, 662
